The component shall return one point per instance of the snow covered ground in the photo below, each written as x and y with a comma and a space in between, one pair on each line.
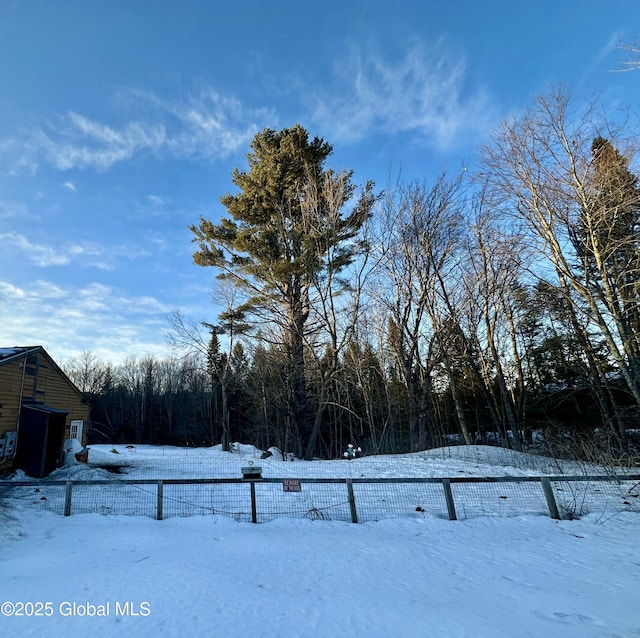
524, 576
374, 501
149, 461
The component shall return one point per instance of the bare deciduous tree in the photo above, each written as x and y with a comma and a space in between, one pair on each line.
419, 240
544, 171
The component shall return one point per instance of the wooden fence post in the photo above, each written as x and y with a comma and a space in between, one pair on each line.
159, 501
67, 498
352, 501
551, 499
448, 496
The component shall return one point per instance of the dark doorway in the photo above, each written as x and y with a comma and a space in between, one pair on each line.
40, 439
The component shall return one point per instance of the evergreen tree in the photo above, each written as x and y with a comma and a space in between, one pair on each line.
216, 366
275, 242
607, 238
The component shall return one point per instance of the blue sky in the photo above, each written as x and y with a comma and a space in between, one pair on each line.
121, 122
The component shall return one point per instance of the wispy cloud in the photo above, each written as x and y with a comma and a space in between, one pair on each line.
426, 92
596, 64
70, 186
203, 125
68, 319
213, 125
12, 209
158, 200
38, 254
83, 253
17, 157
83, 143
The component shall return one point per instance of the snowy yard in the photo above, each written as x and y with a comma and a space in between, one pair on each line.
525, 576
401, 486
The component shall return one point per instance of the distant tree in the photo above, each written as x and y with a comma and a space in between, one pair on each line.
216, 356
275, 242
367, 392
490, 275
220, 365
267, 389
87, 372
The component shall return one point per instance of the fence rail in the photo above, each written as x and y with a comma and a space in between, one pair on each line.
347, 499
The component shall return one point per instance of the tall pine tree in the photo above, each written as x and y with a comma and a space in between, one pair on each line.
607, 239
275, 242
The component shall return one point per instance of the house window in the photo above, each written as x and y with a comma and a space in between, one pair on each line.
75, 430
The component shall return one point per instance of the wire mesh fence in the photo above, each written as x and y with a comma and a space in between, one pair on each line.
499, 498
592, 494
315, 500
195, 499
411, 499
354, 500
46, 498
112, 498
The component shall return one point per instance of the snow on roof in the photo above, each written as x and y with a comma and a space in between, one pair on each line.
9, 353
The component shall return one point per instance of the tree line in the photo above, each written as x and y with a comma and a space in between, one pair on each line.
470, 307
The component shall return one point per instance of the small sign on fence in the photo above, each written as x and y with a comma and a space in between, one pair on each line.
291, 485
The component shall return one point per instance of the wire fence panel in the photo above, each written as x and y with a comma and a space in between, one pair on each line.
356, 500
117, 498
377, 501
315, 501
199, 499
46, 498
578, 498
498, 499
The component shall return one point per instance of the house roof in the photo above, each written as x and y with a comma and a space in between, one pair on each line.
9, 354
18, 352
